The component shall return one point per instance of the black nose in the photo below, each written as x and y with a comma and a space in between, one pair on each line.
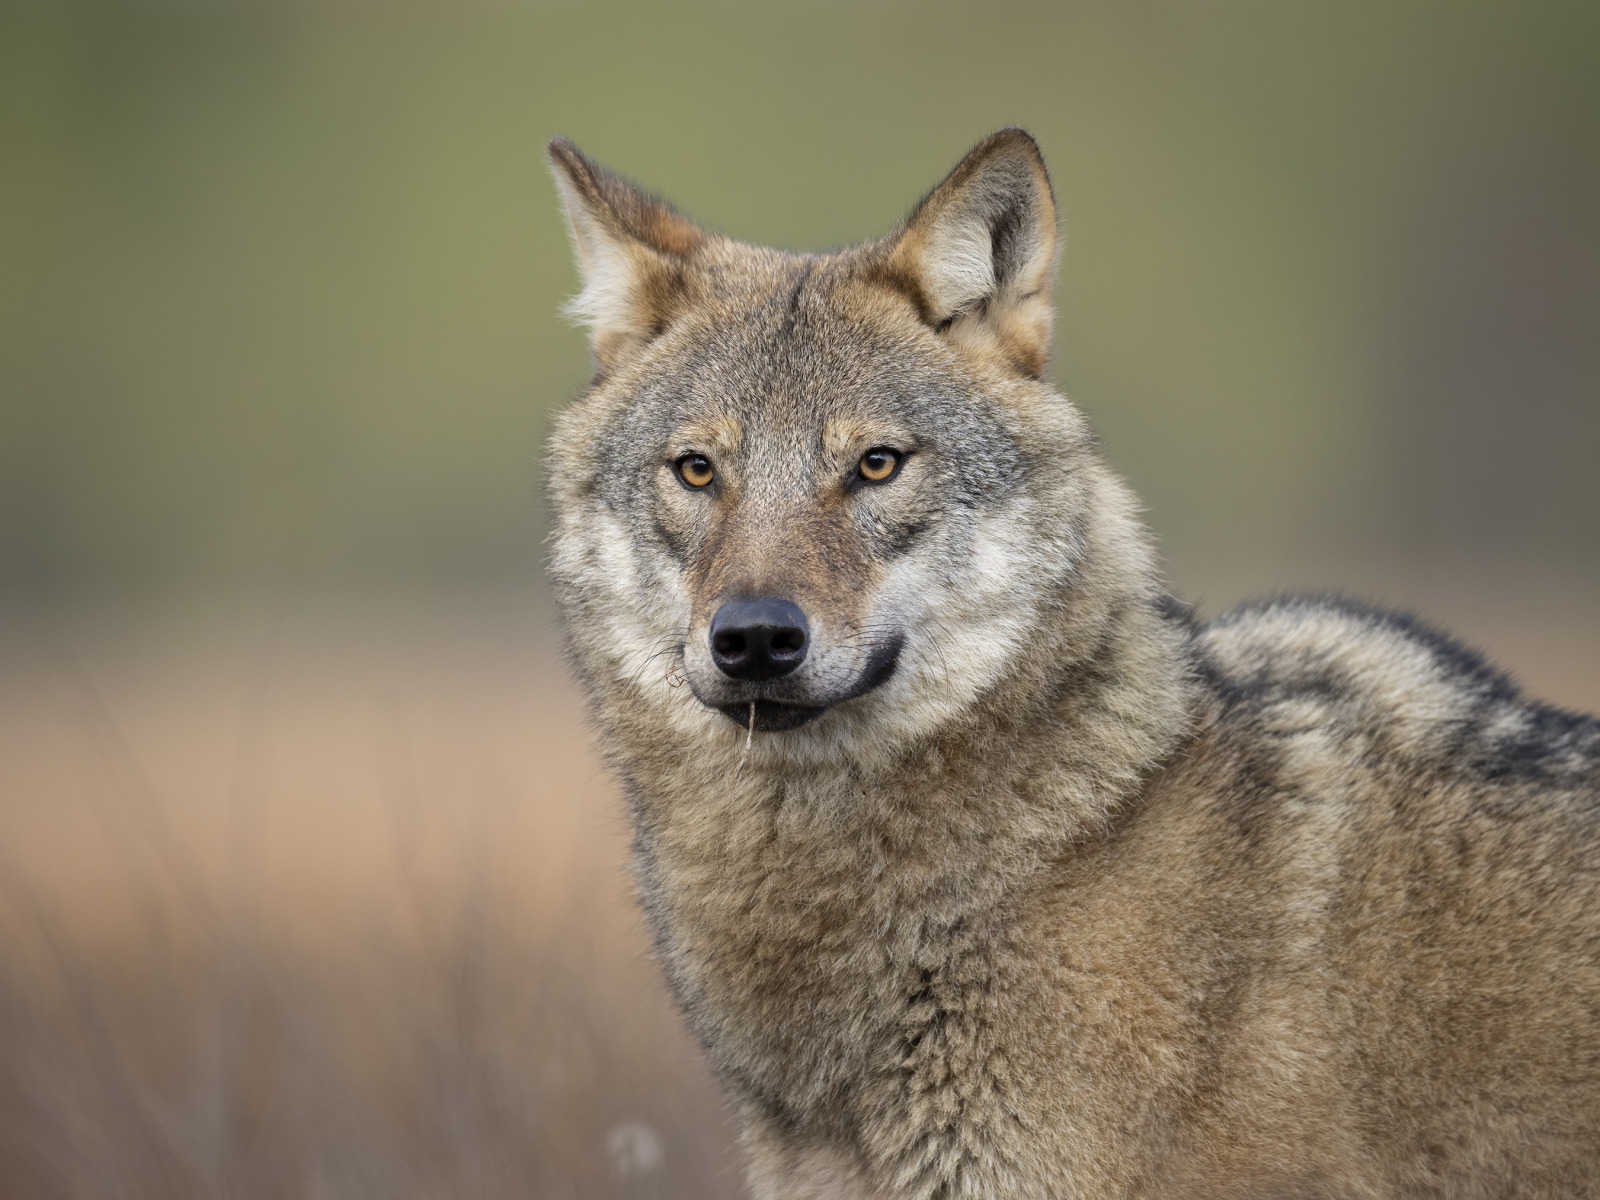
758, 639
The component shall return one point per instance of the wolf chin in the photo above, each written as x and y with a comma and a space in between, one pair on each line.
981, 868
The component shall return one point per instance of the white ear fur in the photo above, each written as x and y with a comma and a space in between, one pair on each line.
609, 272
629, 248
958, 268
979, 252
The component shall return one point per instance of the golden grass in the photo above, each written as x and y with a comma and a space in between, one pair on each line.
313, 906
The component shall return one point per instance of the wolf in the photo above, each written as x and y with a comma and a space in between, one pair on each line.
979, 865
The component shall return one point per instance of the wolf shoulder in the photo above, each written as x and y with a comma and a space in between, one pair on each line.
1336, 692
1383, 750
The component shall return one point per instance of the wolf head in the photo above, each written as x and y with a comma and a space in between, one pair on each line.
831, 494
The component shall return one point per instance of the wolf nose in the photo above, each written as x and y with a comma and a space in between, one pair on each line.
758, 639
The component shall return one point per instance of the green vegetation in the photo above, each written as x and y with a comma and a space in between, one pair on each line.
279, 283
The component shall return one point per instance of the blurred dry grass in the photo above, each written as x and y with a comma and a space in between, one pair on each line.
330, 901
325, 906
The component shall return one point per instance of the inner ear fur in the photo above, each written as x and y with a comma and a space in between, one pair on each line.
977, 256
631, 251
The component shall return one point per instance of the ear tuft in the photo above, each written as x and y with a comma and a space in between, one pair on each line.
977, 255
631, 250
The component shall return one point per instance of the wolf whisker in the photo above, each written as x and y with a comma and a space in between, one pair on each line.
666, 643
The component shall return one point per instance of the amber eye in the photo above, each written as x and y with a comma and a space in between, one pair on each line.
695, 470
879, 464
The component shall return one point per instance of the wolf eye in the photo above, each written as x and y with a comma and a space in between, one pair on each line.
695, 470
879, 464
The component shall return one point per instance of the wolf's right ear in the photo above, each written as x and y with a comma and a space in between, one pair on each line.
978, 255
631, 251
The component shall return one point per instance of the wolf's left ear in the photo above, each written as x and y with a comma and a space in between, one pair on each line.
631, 251
977, 256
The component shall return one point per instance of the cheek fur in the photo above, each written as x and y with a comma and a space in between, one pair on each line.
965, 603
895, 517
631, 588
678, 519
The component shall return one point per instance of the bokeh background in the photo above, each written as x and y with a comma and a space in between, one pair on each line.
311, 883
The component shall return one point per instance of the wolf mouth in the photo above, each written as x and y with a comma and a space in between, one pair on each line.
774, 716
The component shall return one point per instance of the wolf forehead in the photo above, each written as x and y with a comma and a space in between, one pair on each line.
788, 368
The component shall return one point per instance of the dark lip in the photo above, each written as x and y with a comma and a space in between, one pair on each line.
774, 716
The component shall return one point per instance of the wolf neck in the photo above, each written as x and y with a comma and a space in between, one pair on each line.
789, 904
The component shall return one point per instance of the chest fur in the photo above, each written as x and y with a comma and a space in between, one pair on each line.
839, 950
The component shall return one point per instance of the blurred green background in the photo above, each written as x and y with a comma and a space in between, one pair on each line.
279, 282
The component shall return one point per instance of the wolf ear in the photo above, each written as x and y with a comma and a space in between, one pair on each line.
977, 256
631, 251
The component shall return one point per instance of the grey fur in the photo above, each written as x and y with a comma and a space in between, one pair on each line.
1080, 898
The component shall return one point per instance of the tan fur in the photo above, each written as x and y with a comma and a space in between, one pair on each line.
1083, 899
